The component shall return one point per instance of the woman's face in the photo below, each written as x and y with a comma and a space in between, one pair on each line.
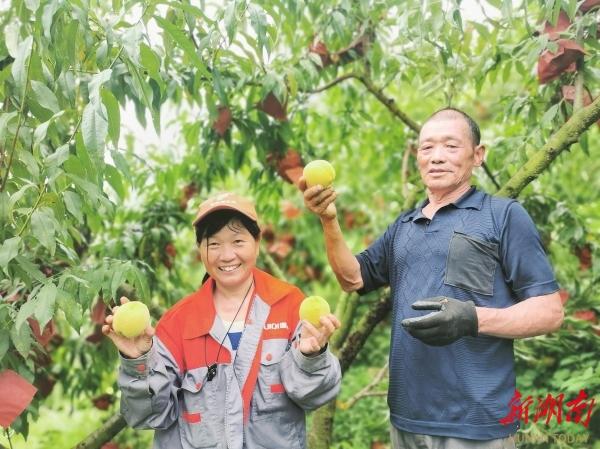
230, 255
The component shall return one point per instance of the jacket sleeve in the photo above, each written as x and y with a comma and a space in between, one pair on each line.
149, 386
310, 381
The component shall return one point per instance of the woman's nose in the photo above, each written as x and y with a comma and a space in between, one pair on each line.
227, 252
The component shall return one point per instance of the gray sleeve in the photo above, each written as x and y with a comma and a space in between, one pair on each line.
310, 381
149, 386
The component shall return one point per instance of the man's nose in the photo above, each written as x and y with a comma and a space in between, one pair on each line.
438, 154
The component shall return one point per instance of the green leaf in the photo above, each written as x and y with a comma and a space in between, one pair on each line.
230, 20
9, 250
94, 129
16, 197
32, 5
40, 132
144, 93
73, 204
21, 338
96, 83
31, 269
46, 299
4, 340
5, 120
121, 163
72, 310
44, 96
58, 157
113, 112
43, 229
550, 114
185, 43
47, 16
26, 311
258, 20
114, 179
150, 61
19, 66
140, 282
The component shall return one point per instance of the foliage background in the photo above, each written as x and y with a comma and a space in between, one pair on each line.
90, 210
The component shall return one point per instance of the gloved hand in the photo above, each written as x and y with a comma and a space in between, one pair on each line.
452, 320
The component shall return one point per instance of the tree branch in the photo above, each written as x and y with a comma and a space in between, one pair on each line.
107, 432
332, 83
579, 87
19, 121
389, 103
490, 175
365, 326
561, 140
368, 390
346, 317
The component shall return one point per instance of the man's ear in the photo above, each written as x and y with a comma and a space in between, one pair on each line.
479, 155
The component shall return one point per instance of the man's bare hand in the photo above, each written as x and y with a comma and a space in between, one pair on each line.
319, 200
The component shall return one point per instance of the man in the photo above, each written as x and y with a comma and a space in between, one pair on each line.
474, 262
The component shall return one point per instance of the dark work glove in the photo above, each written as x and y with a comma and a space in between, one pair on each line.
452, 320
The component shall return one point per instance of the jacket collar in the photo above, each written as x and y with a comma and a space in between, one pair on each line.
201, 316
471, 199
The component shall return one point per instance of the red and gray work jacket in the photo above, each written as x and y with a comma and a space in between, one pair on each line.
258, 401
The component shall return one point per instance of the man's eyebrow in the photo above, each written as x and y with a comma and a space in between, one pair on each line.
446, 137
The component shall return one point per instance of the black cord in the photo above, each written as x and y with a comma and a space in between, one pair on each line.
212, 369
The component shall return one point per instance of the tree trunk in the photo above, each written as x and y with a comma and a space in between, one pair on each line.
322, 427
322, 420
104, 434
561, 140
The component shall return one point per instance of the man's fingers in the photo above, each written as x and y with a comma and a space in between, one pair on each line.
124, 299
422, 322
425, 334
326, 202
312, 192
302, 184
427, 304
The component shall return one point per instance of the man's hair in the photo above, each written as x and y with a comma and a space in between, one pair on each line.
453, 112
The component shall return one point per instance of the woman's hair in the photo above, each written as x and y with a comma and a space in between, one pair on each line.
214, 222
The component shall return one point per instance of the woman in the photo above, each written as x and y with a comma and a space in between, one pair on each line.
229, 366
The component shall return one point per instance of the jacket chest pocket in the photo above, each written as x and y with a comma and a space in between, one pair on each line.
196, 423
269, 396
471, 264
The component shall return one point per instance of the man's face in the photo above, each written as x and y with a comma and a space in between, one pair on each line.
446, 154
